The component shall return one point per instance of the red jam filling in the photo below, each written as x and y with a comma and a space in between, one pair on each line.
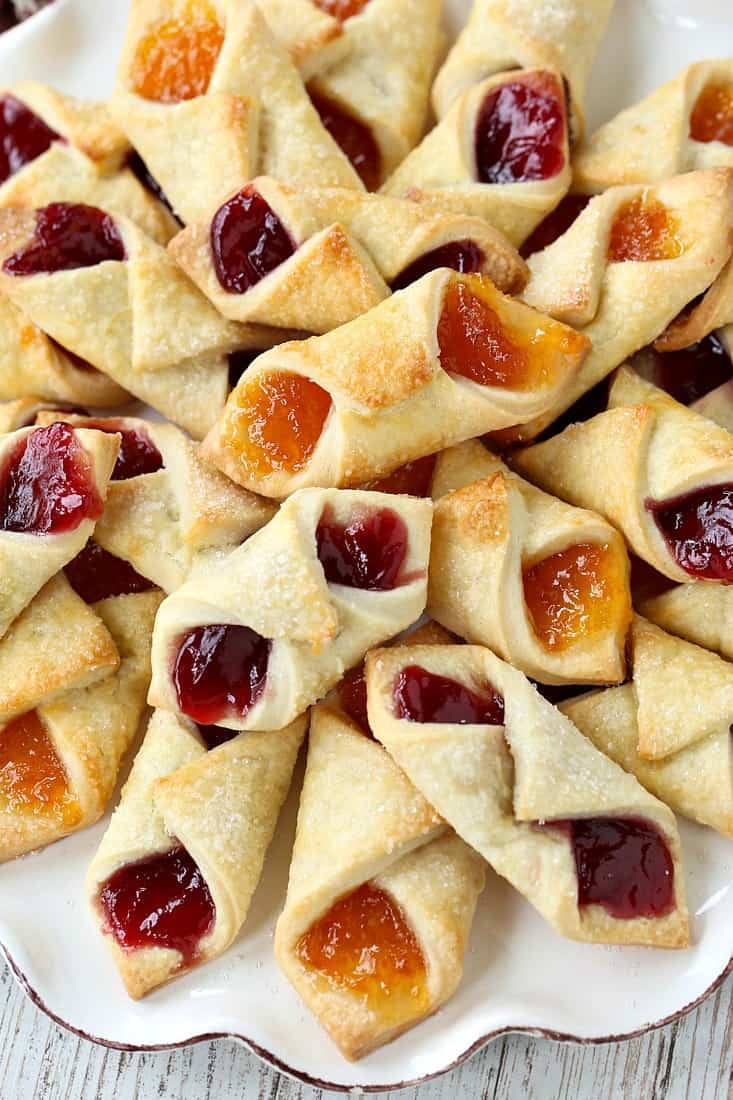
712, 115
465, 256
690, 373
644, 230
140, 170
213, 736
413, 479
95, 574
67, 236
698, 530
239, 362
159, 901
23, 136
342, 9
422, 696
220, 670
557, 222
353, 698
248, 241
279, 420
353, 137
623, 864
520, 132
368, 552
175, 60
138, 454
47, 485
33, 779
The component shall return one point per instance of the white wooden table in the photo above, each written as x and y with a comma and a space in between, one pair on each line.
692, 1058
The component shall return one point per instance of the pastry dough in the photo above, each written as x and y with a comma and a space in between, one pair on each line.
22, 412
380, 837
701, 612
86, 165
510, 34
31, 365
71, 747
623, 306
29, 558
379, 380
254, 117
275, 585
646, 449
713, 312
443, 169
512, 792
167, 522
221, 807
140, 320
652, 140
677, 744
384, 80
347, 246
314, 39
544, 584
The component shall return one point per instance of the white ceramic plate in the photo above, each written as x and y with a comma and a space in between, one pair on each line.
519, 975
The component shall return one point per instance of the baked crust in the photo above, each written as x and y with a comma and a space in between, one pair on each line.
275, 585
222, 806
441, 171
383, 374
496, 784
699, 611
489, 526
314, 39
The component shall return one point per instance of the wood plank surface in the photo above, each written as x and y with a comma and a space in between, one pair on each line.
688, 1060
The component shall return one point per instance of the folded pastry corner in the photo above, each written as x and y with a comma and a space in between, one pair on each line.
172, 881
381, 894
544, 584
595, 853
360, 401
312, 31
660, 472
255, 640
468, 164
677, 744
699, 611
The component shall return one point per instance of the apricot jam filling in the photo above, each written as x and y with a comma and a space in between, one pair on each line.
160, 901
278, 422
248, 241
33, 779
698, 530
623, 864
218, 670
712, 115
353, 137
175, 60
475, 341
575, 594
364, 944
422, 696
367, 552
23, 136
520, 131
342, 9
644, 229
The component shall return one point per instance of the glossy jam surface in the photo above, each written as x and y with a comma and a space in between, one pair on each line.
159, 901
138, 454
363, 944
353, 698
47, 484
520, 132
475, 344
644, 230
342, 9
690, 373
623, 864
557, 222
67, 236
353, 137
464, 256
279, 422
368, 552
23, 136
422, 696
32, 777
414, 478
574, 594
248, 241
95, 574
712, 115
176, 58
220, 670
698, 530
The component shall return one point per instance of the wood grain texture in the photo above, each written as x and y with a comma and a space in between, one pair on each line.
692, 1058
